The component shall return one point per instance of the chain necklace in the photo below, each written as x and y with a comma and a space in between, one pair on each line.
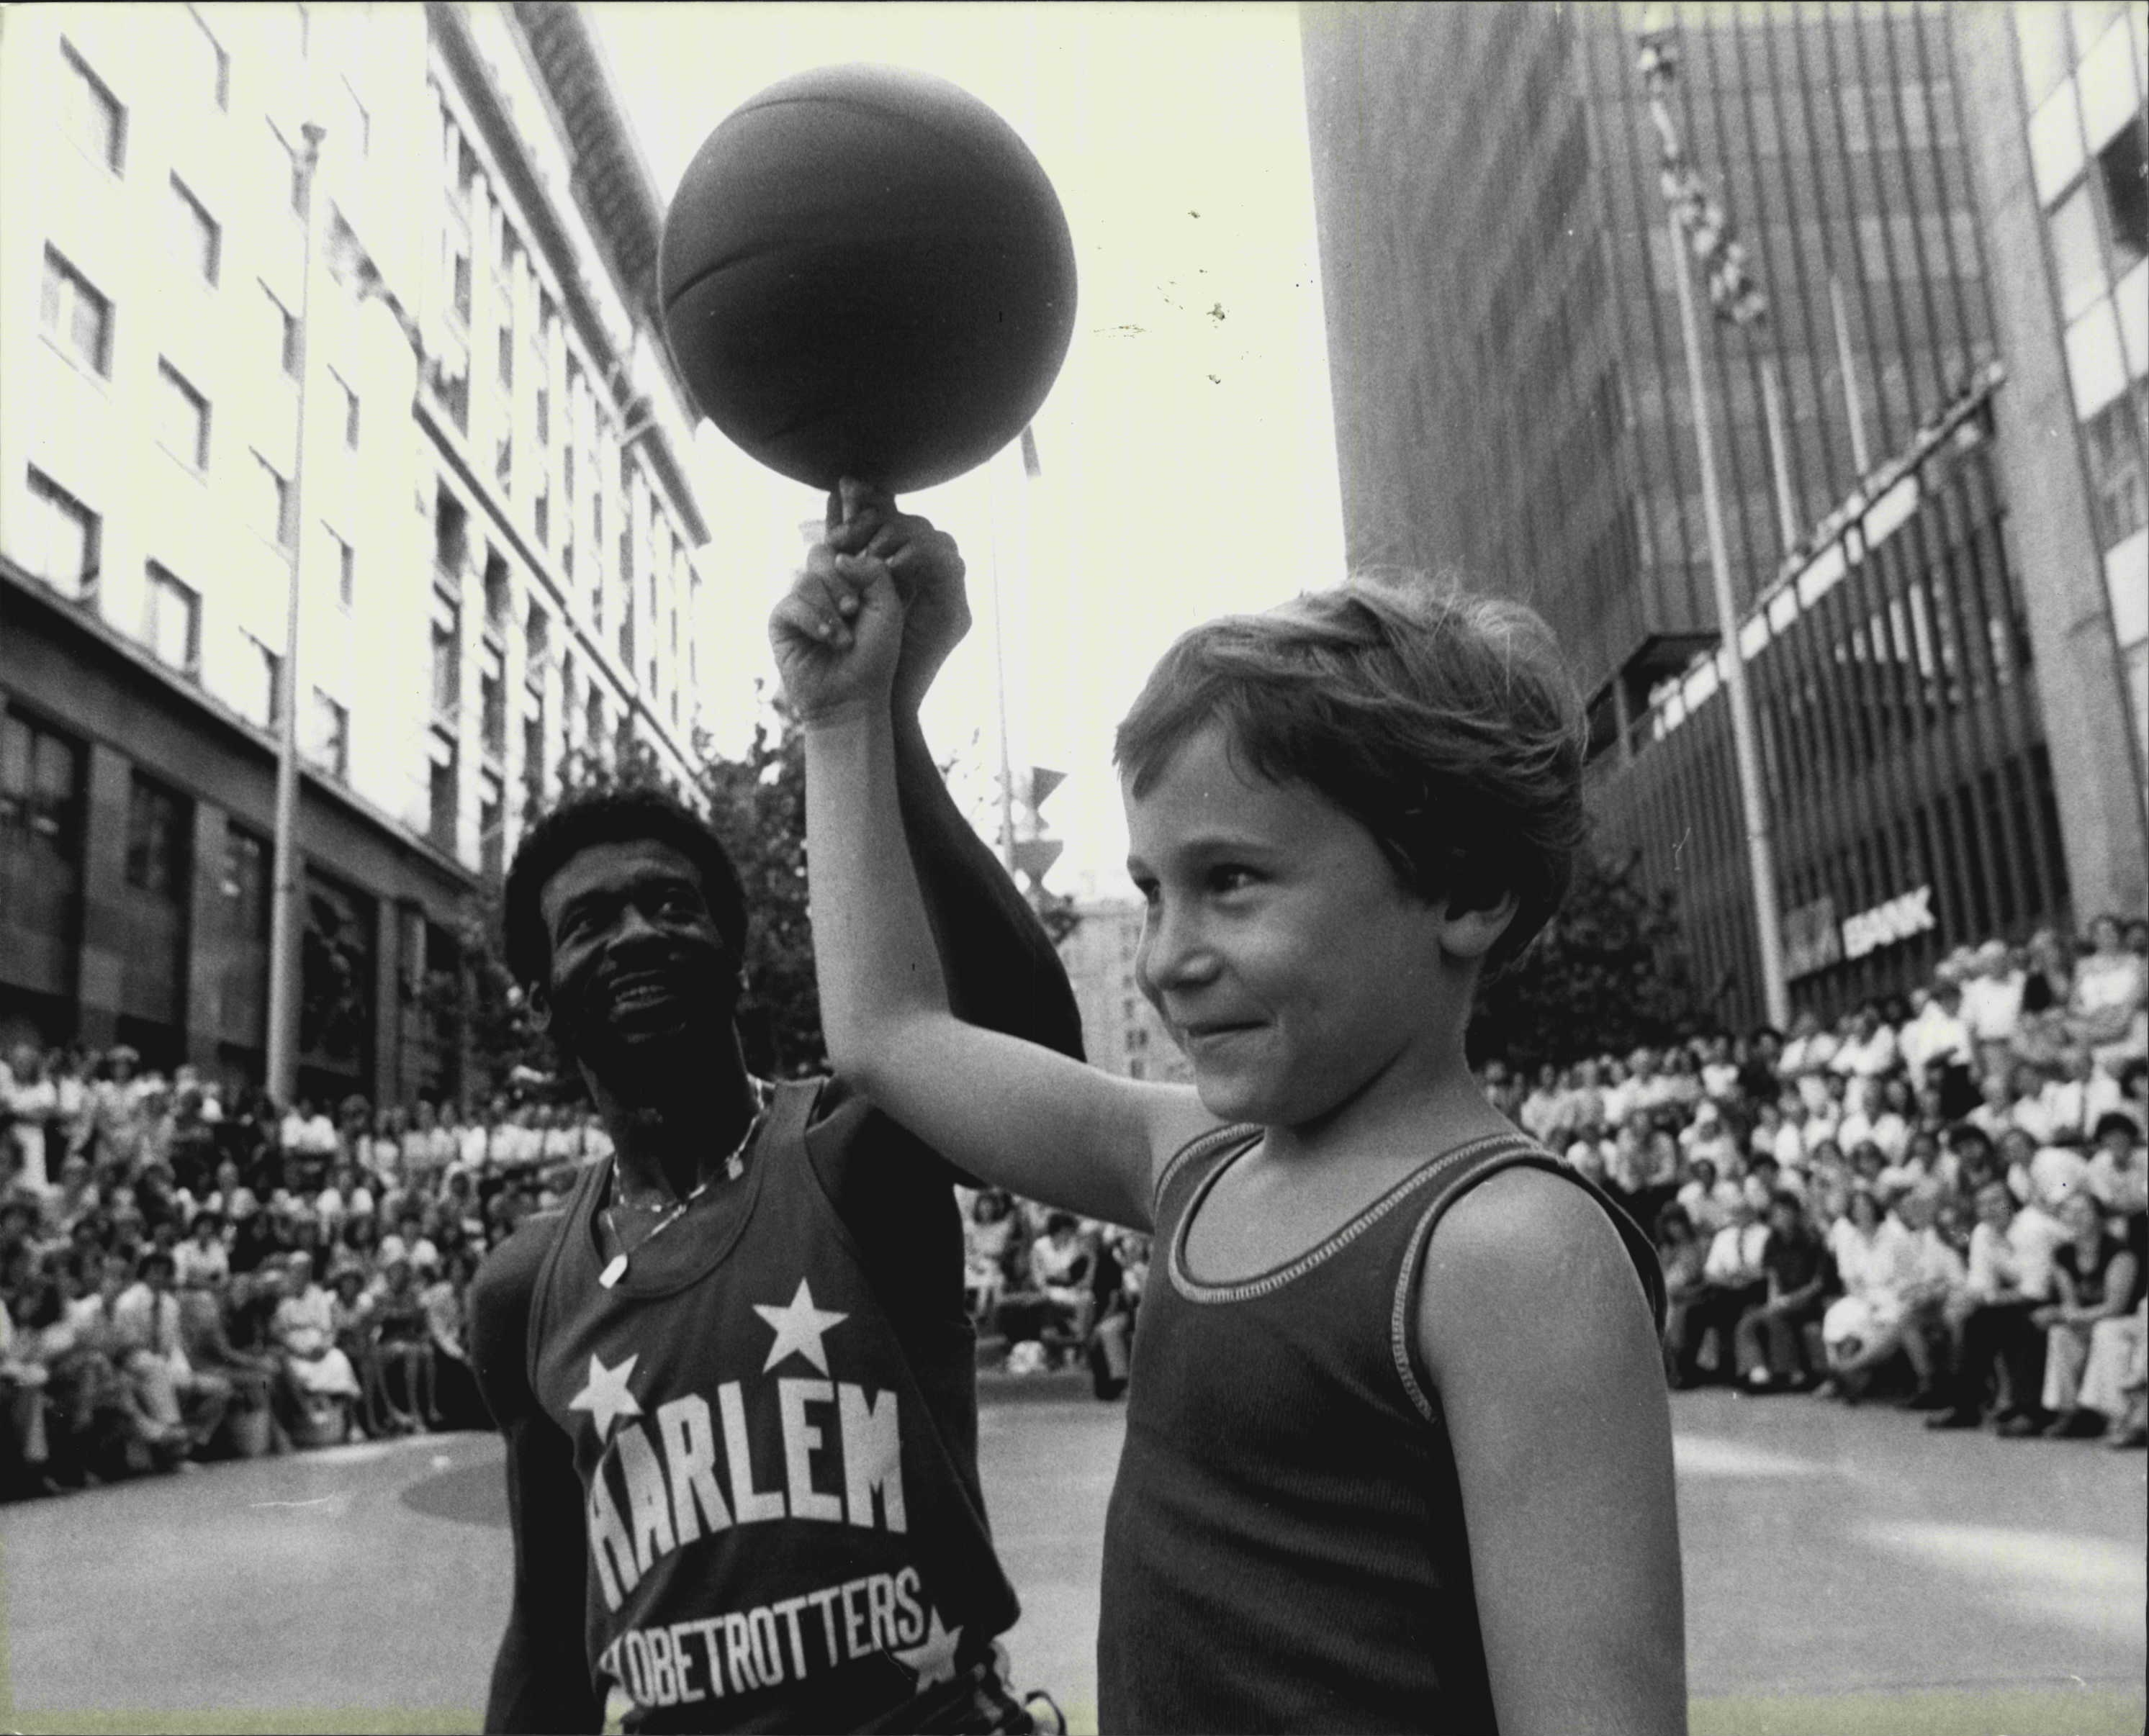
734, 1167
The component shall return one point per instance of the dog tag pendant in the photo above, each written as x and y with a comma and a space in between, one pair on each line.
615, 1270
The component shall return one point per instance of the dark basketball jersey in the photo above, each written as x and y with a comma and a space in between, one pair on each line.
784, 1526
1285, 1548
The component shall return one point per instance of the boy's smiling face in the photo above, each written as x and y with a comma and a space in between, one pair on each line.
1283, 953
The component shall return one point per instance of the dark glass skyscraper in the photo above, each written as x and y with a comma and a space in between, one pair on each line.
1513, 399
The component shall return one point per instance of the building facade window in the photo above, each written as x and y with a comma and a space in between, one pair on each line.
328, 735
95, 119
157, 826
213, 64
183, 418
447, 658
283, 334
171, 623
2119, 494
272, 503
76, 315
290, 182
259, 669
359, 121
440, 794
197, 237
40, 791
62, 547
350, 415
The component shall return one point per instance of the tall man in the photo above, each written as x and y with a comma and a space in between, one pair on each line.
735, 1372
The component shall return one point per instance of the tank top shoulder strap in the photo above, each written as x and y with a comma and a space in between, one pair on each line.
1516, 1152
1185, 1169
571, 1218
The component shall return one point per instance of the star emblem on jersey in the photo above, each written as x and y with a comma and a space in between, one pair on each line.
606, 1397
799, 1327
932, 1658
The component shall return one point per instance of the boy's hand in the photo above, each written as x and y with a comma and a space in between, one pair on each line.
927, 570
837, 633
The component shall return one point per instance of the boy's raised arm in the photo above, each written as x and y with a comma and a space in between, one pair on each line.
1006, 1110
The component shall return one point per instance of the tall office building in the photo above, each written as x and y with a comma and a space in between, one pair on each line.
1121, 1031
485, 508
1513, 399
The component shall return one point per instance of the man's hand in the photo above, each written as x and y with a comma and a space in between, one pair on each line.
927, 570
837, 633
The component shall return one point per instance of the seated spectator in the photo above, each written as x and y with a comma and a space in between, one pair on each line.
1874, 1255
1870, 1051
1116, 1281
1771, 1338
1734, 1282
2040, 1030
1707, 1200
319, 1386
1710, 1136
403, 1341
1060, 1265
446, 1301
350, 1319
2097, 1278
985, 1234
2010, 1278
249, 1426
25, 1403
2115, 1381
202, 1257
1682, 1252
2115, 1172
129, 1406
174, 1391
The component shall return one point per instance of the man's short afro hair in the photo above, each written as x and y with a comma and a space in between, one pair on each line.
612, 817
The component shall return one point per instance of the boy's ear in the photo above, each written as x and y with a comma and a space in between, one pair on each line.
541, 1008
1471, 933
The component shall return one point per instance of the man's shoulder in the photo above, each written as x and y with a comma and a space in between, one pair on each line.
505, 1281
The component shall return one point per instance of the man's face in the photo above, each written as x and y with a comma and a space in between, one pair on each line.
640, 974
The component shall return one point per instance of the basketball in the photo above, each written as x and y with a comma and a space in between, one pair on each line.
865, 272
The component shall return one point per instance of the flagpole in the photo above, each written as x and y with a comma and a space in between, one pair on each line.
280, 1062
1695, 220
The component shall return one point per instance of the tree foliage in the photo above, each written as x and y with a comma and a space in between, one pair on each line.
1606, 974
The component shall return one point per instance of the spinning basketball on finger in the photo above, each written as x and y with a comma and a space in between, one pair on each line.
736, 1371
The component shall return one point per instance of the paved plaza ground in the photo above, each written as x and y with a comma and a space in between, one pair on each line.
1846, 1572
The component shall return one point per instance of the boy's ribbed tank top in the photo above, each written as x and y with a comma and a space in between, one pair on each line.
1286, 1547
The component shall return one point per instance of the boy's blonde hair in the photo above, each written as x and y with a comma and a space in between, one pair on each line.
1445, 724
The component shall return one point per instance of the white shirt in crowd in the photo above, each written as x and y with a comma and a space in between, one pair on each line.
1935, 1035
1992, 1006
1734, 1255
2020, 1260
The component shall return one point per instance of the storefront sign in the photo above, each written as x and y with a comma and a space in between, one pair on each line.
1812, 940
1885, 924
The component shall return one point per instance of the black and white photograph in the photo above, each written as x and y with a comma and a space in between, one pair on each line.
969, 865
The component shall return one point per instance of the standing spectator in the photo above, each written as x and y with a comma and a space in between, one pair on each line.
2097, 1278
29, 1105
1992, 990
2108, 1003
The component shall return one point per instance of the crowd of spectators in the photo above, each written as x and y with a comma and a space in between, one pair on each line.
185, 1277
1939, 1198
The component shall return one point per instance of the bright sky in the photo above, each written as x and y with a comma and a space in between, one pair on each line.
1188, 448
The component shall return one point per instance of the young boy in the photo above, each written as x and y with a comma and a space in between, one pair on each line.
1375, 1476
